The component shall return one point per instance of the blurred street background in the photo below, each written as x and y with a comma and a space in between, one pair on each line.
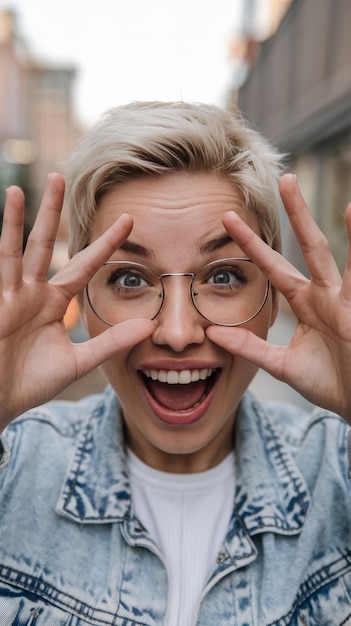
285, 63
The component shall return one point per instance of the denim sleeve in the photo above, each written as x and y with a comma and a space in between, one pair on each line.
4, 455
349, 453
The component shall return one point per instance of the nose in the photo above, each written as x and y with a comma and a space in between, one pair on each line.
179, 325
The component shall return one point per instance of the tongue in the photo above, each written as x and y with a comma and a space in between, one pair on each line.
177, 397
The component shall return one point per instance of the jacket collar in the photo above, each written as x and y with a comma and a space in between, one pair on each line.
96, 488
271, 493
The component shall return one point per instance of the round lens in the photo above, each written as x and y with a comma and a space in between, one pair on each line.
120, 291
230, 292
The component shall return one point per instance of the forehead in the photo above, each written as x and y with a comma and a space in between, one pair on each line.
174, 210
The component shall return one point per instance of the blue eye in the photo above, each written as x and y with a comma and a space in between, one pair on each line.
126, 278
227, 276
222, 278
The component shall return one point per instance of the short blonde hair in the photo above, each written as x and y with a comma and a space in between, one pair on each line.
155, 138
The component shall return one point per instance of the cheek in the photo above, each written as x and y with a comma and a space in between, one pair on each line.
91, 323
261, 324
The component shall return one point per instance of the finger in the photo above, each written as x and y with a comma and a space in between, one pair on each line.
41, 241
313, 243
76, 274
11, 248
92, 353
284, 276
244, 343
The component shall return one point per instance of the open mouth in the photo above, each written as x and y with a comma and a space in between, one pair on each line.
179, 390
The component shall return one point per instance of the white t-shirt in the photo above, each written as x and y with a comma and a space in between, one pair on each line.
187, 516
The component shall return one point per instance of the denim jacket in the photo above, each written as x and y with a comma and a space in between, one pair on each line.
73, 554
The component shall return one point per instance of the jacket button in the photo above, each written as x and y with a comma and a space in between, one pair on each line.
221, 556
138, 528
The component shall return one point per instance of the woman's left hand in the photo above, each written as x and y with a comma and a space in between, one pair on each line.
317, 361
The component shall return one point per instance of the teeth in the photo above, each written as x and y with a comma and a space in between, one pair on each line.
184, 377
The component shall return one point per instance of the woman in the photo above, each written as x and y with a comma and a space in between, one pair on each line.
175, 497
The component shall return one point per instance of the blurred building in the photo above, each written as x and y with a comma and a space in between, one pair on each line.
37, 120
257, 21
298, 94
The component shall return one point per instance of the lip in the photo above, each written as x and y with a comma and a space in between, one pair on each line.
184, 417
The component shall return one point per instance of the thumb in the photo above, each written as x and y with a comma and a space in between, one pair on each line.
244, 343
123, 336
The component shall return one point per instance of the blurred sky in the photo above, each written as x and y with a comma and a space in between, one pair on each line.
133, 49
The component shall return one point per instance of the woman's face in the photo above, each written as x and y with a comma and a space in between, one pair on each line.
178, 227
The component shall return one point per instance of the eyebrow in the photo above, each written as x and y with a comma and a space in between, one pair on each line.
215, 244
135, 248
205, 248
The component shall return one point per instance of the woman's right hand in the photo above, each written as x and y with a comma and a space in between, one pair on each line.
37, 358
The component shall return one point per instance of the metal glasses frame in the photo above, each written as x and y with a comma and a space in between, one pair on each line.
193, 294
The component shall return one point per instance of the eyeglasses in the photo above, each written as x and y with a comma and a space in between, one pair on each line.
226, 292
